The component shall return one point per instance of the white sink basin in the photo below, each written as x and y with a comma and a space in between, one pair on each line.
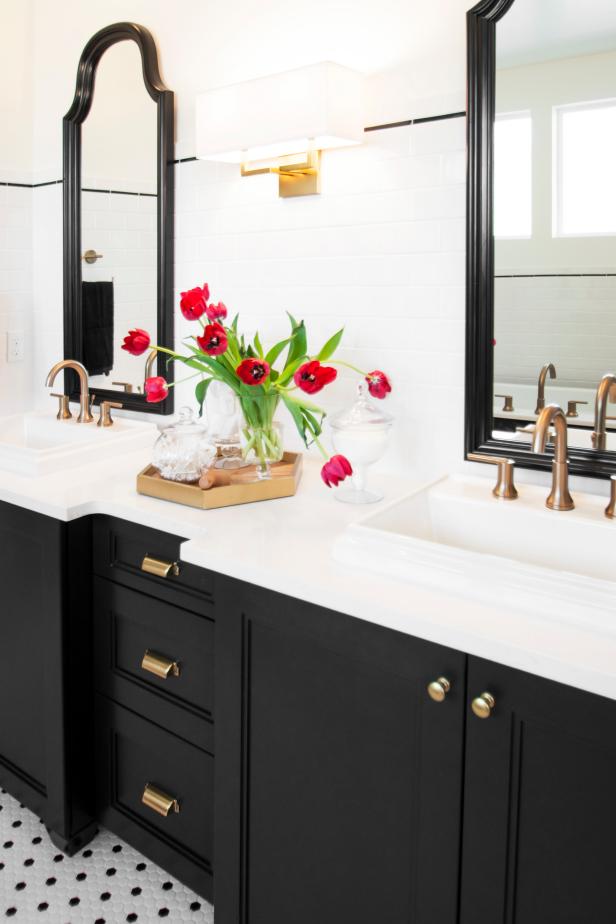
455, 536
38, 444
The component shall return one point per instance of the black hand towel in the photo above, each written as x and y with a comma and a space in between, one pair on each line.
97, 315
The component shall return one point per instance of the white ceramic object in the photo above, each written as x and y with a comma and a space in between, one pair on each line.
455, 534
37, 444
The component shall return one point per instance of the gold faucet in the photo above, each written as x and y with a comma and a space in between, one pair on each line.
548, 367
84, 396
559, 497
605, 391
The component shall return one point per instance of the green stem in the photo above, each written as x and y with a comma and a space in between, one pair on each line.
318, 443
339, 362
179, 382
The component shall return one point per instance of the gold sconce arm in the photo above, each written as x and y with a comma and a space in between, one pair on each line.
295, 178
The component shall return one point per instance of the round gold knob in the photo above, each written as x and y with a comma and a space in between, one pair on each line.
483, 705
438, 689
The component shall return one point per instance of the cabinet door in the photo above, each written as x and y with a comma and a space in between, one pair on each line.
30, 582
540, 803
338, 779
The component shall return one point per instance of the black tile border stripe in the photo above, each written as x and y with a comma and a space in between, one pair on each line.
30, 185
419, 121
118, 192
422, 120
554, 275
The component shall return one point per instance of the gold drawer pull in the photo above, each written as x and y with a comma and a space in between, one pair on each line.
483, 705
438, 689
160, 665
159, 801
160, 568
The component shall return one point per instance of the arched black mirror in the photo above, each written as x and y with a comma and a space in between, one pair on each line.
118, 215
541, 297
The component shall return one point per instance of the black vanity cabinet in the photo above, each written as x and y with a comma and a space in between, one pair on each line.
306, 772
339, 781
540, 803
44, 640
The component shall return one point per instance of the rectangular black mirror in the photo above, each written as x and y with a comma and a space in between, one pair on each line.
541, 270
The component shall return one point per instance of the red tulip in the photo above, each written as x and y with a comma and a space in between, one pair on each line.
156, 389
253, 371
136, 341
378, 384
213, 341
194, 302
312, 376
215, 312
336, 470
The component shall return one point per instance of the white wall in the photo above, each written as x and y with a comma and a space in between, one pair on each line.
414, 50
381, 251
16, 90
15, 294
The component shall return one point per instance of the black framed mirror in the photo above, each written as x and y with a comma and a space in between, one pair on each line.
118, 216
541, 227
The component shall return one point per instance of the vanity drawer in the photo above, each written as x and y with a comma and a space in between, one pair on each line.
127, 625
119, 550
132, 753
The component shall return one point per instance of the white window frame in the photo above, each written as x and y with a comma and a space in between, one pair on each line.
511, 116
557, 171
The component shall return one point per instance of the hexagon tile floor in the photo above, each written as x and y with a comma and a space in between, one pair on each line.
107, 883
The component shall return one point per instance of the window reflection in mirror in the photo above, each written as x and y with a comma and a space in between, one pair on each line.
119, 208
554, 212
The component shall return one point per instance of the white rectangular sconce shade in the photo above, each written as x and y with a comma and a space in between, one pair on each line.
310, 108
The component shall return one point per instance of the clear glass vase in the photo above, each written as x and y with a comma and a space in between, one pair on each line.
261, 436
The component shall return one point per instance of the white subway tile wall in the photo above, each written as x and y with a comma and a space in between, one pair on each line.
380, 252
15, 295
567, 320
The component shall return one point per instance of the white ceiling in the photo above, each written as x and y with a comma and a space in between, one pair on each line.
541, 30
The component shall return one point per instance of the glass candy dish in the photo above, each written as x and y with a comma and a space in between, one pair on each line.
361, 433
183, 449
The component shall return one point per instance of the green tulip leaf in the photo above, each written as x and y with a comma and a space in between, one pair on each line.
331, 346
200, 393
275, 351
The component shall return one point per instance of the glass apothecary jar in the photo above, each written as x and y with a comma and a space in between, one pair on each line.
361, 433
183, 449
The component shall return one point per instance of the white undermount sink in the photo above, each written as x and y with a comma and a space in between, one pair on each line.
454, 535
37, 444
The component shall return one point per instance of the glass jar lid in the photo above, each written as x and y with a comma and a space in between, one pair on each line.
185, 425
363, 414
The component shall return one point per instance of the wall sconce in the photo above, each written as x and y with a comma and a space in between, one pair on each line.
280, 124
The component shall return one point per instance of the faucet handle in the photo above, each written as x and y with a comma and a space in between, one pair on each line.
572, 410
508, 402
504, 488
127, 387
64, 411
530, 429
105, 419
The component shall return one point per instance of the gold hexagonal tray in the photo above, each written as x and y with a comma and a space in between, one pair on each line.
285, 478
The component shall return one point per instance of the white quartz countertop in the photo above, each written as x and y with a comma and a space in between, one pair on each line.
286, 545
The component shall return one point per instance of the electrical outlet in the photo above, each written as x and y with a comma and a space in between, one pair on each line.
14, 346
